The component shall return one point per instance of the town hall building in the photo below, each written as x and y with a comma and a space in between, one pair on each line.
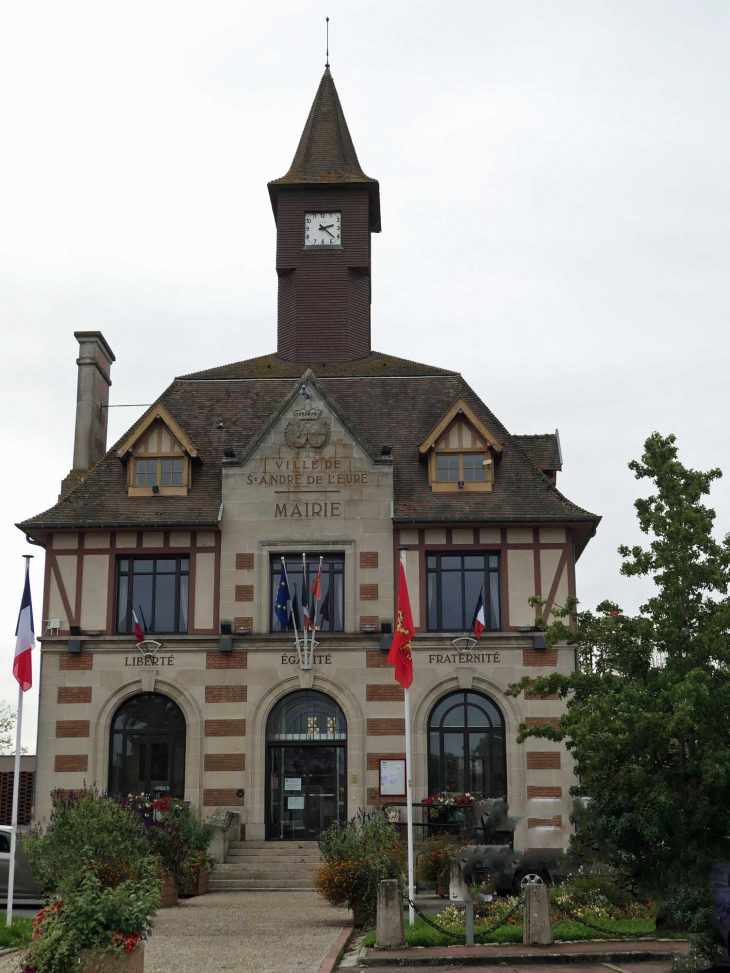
332, 456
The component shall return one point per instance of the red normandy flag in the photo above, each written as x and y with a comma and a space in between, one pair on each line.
400, 648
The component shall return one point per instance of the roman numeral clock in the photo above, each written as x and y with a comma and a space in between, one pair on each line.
322, 230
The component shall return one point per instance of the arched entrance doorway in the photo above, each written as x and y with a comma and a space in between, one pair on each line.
147, 747
306, 783
466, 746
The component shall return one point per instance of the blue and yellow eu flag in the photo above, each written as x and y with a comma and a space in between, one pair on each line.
282, 600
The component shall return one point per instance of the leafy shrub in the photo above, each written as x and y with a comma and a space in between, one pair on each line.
358, 856
434, 862
592, 888
87, 831
175, 833
96, 917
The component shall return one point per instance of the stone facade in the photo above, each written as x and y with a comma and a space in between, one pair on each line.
282, 456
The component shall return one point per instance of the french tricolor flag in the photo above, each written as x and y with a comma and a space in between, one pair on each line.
479, 623
24, 640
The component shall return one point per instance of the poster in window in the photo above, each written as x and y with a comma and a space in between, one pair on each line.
392, 778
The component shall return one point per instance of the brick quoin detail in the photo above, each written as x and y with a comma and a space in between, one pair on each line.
82, 662
244, 562
375, 694
534, 696
534, 791
556, 821
74, 763
368, 592
539, 657
72, 728
225, 761
539, 720
244, 592
225, 728
543, 761
245, 621
377, 660
369, 620
74, 694
226, 660
386, 727
368, 559
375, 758
225, 694
222, 797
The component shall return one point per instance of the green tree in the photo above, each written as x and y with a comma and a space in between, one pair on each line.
648, 712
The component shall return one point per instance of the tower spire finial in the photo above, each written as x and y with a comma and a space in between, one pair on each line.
327, 62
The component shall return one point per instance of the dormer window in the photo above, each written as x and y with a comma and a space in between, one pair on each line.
461, 452
468, 467
159, 456
163, 472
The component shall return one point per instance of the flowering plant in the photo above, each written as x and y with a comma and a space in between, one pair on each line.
358, 855
176, 835
443, 800
434, 862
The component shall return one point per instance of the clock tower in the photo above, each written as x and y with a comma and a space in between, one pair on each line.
325, 209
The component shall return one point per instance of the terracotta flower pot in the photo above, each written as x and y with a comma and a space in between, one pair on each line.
198, 884
92, 962
169, 891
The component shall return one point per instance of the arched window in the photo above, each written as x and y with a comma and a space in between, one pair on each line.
147, 747
466, 746
307, 766
308, 716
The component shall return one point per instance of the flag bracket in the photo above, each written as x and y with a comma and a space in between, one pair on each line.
463, 643
149, 648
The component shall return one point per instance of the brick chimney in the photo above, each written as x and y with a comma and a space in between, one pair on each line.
92, 397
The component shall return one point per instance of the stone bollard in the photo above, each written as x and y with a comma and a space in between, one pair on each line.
390, 931
537, 929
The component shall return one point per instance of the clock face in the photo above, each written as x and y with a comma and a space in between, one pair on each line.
322, 229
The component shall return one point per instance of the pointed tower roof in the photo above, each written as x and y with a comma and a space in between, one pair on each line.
326, 154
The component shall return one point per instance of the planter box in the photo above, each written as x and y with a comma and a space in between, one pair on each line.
199, 886
112, 962
169, 892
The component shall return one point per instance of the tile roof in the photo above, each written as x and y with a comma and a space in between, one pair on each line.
386, 409
271, 366
326, 154
543, 449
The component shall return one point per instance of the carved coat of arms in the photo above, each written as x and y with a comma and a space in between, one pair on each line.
307, 429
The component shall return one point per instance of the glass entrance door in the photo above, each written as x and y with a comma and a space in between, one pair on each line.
306, 790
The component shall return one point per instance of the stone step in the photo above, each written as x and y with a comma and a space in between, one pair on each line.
273, 844
239, 885
232, 868
238, 856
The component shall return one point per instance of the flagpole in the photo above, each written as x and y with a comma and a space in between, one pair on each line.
304, 589
293, 616
314, 605
16, 789
409, 787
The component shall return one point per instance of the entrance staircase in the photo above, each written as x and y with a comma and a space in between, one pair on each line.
267, 865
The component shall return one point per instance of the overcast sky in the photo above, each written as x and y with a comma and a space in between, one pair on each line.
554, 185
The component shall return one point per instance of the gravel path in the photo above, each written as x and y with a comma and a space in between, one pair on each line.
245, 932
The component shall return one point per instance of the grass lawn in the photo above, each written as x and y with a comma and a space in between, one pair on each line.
19, 934
421, 934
